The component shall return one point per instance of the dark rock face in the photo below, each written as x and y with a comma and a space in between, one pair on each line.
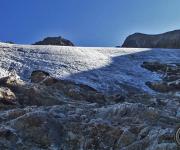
55, 41
65, 115
39, 76
165, 40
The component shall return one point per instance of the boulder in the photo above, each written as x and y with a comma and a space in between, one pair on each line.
38, 76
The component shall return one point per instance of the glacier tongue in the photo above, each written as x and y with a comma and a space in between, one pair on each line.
106, 69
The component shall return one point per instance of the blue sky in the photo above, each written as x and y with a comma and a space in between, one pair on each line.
86, 22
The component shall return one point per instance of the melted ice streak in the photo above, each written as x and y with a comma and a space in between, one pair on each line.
106, 69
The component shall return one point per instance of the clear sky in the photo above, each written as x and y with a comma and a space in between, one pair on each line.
86, 22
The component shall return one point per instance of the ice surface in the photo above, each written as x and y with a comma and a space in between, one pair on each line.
106, 69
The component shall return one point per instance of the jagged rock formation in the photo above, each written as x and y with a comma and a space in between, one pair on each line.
44, 107
55, 41
166, 40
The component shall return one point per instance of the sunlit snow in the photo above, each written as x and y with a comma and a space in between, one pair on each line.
106, 69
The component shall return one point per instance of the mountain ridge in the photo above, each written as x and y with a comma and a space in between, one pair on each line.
169, 39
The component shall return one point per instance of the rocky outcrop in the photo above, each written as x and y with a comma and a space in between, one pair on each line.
55, 41
68, 88
165, 40
49, 91
170, 76
38, 76
49, 116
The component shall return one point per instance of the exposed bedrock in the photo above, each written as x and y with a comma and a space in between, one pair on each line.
65, 115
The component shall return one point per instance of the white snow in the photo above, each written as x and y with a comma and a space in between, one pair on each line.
106, 69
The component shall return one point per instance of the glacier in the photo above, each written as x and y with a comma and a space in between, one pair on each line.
109, 70
88, 98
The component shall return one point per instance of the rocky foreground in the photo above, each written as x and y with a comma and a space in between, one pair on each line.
42, 110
